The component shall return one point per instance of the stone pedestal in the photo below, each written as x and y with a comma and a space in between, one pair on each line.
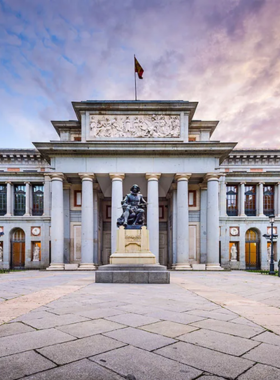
133, 262
133, 247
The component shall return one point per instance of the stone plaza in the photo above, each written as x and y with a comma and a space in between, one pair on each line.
204, 325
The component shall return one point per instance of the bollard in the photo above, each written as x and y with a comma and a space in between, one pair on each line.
279, 268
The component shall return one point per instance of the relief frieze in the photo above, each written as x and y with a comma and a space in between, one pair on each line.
115, 126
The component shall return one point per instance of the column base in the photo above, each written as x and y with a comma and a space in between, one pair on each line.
182, 266
87, 266
214, 267
56, 266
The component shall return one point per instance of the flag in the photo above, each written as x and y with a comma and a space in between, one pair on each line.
138, 68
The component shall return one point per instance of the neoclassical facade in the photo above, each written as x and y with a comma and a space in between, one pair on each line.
208, 203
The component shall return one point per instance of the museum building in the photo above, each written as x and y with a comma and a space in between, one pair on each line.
208, 203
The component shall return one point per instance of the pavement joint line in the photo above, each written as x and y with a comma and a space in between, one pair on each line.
39, 353
250, 350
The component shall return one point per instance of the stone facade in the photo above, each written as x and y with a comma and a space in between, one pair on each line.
208, 203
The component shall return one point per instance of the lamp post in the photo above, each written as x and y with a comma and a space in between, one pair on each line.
272, 219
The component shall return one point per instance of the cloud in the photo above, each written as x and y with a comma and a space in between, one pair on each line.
222, 53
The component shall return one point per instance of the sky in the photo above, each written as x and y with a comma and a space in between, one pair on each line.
222, 53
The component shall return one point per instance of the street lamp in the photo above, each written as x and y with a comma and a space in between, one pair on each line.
272, 220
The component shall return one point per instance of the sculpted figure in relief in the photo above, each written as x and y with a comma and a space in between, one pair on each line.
135, 126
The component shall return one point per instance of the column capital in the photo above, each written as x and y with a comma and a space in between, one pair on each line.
203, 185
96, 186
212, 177
8, 183
261, 183
182, 176
242, 183
27, 183
66, 186
87, 176
153, 176
174, 186
57, 176
116, 176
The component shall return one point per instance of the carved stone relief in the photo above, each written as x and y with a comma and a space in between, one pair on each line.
134, 126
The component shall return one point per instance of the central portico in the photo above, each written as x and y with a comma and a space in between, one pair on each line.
155, 144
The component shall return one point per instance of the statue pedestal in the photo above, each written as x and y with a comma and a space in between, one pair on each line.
133, 262
133, 247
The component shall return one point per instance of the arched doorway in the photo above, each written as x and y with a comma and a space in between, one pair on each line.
252, 249
18, 248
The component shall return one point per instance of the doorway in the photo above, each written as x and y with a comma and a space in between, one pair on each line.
252, 249
18, 248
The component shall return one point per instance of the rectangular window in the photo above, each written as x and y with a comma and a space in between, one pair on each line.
19, 196
232, 200
268, 200
77, 198
3, 199
37, 200
192, 198
250, 200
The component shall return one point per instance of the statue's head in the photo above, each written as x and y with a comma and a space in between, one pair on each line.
135, 189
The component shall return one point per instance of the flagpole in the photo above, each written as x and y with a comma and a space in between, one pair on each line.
135, 80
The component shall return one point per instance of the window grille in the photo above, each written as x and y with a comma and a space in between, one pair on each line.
232, 200
37, 200
250, 200
19, 197
3, 199
268, 200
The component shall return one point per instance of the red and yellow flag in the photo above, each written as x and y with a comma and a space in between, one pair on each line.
138, 68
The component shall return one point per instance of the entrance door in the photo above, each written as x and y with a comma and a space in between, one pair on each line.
18, 248
252, 250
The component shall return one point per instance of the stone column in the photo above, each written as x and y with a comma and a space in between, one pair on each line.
9, 199
261, 198
27, 198
223, 196
95, 223
242, 199
116, 210
47, 196
212, 222
278, 200
182, 221
153, 213
57, 225
174, 225
87, 222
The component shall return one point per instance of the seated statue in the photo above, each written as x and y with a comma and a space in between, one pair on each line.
133, 209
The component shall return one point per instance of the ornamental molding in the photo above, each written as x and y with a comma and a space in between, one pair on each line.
134, 126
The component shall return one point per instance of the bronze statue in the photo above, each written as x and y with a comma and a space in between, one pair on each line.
133, 209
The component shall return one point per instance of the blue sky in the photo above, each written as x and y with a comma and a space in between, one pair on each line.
222, 53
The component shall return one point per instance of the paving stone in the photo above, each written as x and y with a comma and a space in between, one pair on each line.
144, 365
228, 344
213, 315
133, 320
228, 328
83, 370
19, 365
14, 328
211, 378
32, 340
207, 360
261, 372
175, 317
167, 328
79, 349
33, 315
139, 338
244, 321
266, 354
101, 313
83, 329
55, 320
268, 337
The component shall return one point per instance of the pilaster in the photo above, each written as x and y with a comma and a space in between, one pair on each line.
117, 197
242, 199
